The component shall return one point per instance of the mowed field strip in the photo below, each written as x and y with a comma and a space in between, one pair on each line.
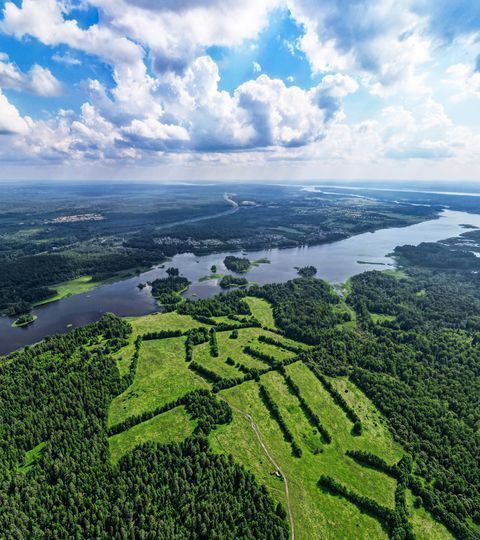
254, 438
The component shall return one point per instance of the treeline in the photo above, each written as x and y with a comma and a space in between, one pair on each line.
280, 344
423, 300
267, 358
310, 415
372, 460
30, 279
277, 416
129, 377
395, 520
162, 334
223, 305
228, 282
213, 343
196, 336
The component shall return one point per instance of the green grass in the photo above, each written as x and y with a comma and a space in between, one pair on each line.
380, 317
262, 311
171, 426
211, 276
234, 348
31, 457
424, 526
162, 376
376, 438
316, 514
151, 323
68, 288
341, 308
397, 273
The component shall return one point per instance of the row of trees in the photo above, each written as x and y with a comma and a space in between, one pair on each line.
277, 416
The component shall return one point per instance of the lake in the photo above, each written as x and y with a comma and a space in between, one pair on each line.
335, 262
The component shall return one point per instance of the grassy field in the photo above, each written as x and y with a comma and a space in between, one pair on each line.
152, 323
172, 426
316, 514
253, 437
424, 526
71, 287
162, 376
233, 348
262, 311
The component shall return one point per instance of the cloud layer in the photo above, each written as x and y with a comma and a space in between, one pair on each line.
379, 61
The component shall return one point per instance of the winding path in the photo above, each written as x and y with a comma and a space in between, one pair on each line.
272, 461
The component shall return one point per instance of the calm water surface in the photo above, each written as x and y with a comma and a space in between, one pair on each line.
335, 262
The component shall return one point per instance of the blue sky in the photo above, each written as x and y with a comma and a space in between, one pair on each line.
247, 89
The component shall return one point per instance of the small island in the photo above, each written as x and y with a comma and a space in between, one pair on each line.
240, 265
168, 290
307, 271
24, 320
232, 281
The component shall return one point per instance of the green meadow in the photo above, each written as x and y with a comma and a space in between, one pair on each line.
254, 438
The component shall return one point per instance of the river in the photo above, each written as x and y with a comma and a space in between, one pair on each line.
335, 262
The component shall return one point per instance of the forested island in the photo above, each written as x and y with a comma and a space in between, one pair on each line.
240, 265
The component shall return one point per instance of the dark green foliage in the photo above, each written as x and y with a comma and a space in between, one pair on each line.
264, 357
237, 264
371, 460
338, 398
128, 378
396, 521
280, 344
189, 493
234, 334
218, 306
209, 411
439, 255
357, 428
195, 337
162, 334
424, 300
307, 271
232, 281
301, 308
173, 272
204, 372
166, 290
213, 342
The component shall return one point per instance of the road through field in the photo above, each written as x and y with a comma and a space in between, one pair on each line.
272, 461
